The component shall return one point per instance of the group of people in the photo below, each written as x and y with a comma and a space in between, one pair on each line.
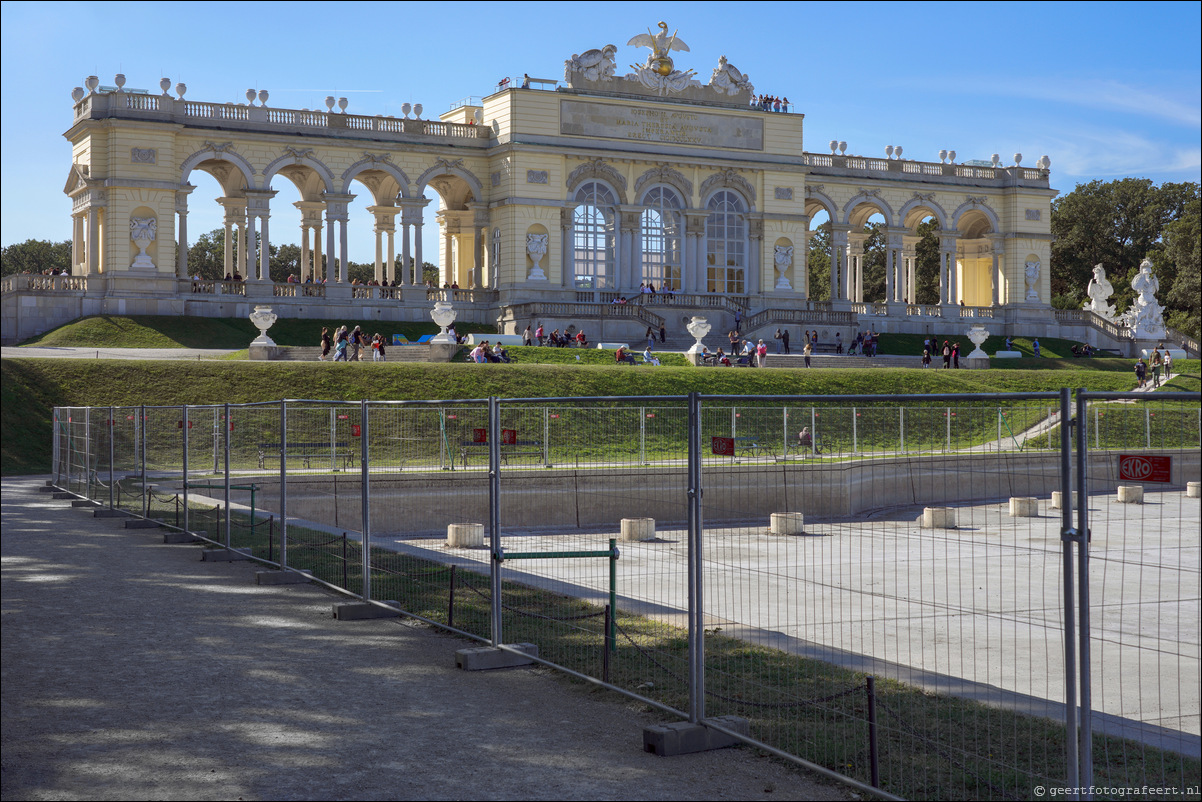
1157, 362
485, 353
770, 103
743, 352
350, 346
950, 352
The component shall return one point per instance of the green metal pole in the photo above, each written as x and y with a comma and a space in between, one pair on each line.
613, 595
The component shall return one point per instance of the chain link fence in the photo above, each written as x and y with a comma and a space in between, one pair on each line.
929, 597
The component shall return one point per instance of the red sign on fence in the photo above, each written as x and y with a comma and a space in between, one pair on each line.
723, 445
343, 417
509, 436
355, 430
1138, 468
179, 424
479, 435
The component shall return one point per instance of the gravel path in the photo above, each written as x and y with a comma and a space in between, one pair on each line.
131, 670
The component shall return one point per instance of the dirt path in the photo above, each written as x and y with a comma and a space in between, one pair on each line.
131, 670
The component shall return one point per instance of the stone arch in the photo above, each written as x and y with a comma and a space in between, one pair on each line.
454, 168
663, 174
728, 179
859, 203
221, 153
381, 163
597, 169
303, 158
911, 213
817, 201
982, 208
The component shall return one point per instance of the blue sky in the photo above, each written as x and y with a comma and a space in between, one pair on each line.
1106, 90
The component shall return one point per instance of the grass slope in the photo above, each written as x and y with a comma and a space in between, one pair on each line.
162, 331
30, 388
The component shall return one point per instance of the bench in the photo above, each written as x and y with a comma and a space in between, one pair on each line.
534, 448
310, 451
795, 450
753, 447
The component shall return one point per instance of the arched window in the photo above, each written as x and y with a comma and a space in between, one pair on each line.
726, 243
662, 225
593, 234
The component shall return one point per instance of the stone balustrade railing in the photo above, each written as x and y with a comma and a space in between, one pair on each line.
578, 311
198, 113
1090, 318
976, 311
828, 164
30, 282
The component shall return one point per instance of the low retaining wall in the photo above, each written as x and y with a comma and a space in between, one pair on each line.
428, 502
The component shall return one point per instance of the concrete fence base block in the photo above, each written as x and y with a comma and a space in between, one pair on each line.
282, 577
482, 658
939, 517
48, 488
1193, 489
1058, 500
106, 513
684, 738
1131, 494
465, 536
1021, 507
63, 495
635, 529
180, 537
142, 523
786, 523
85, 502
223, 555
362, 611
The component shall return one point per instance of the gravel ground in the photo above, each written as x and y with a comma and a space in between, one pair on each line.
131, 670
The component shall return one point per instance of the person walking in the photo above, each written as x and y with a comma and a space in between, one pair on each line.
325, 344
663, 334
947, 355
1156, 367
1141, 373
780, 347
1168, 365
527, 338
784, 339
955, 355
809, 349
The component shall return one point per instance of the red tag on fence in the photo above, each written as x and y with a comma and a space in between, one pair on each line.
509, 436
650, 414
479, 435
343, 417
452, 417
1138, 468
554, 415
723, 445
355, 430
129, 417
179, 424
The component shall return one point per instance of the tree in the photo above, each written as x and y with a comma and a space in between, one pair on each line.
818, 261
874, 263
284, 261
206, 256
1182, 243
927, 268
35, 256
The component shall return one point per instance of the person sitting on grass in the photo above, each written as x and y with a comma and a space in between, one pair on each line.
648, 357
621, 356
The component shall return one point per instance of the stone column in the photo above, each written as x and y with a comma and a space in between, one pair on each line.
305, 270
343, 249
855, 266
336, 212
695, 280
408, 274
567, 270
248, 253
92, 244
947, 269
449, 268
264, 249
417, 251
910, 268
76, 242
479, 224
259, 206
839, 267
755, 255
385, 223
998, 249
801, 264
391, 263
894, 266
181, 236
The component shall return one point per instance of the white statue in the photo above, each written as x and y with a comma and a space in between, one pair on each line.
142, 232
728, 79
783, 258
1145, 318
592, 65
1032, 273
536, 249
1099, 292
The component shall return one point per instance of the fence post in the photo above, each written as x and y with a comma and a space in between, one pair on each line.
696, 632
364, 500
283, 485
1070, 650
947, 413
873, 755
1086, 715
87, 452
112, 453
227, 426
55, 445
184, 426
901, 428
1147, 427
546, 437
855, 432
494, 523
142, 451
642, 435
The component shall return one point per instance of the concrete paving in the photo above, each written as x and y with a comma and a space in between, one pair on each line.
43, 352
974, 611
132, 670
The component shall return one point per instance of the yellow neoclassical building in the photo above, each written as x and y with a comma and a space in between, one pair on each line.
554, 199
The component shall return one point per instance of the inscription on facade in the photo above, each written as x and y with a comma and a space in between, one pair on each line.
536, 176
784, 193
668, 126
142, 155
1032, 214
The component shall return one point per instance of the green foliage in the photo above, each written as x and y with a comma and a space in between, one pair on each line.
35, 256
819, 262
1118, 224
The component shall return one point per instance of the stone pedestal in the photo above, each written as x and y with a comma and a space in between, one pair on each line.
786, 523
1021, 507
975, 362
636, 529
939, 518
1192, 489
1058, 500
465, 536
1131, 494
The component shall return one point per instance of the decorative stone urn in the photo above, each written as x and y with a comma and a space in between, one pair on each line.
536, 249
443, 315
698, 327
142, 232
978, 335
263, 318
